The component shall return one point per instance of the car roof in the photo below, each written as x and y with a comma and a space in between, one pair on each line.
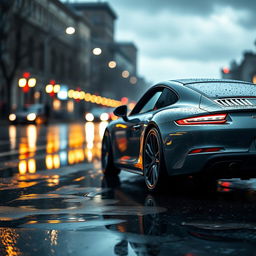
207, 80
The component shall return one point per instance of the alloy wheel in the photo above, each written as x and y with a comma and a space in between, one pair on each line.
151, 159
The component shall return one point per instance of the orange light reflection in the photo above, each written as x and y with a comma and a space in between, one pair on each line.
12, 136
8, 240
52, 161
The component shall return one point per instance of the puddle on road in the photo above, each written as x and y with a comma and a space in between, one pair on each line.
69, 217
75, 224
58, 146
220, 225
74, 194
224, 232
62, 203
67, 243
89, 207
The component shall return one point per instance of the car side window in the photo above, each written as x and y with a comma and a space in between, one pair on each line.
149, 105
167, 98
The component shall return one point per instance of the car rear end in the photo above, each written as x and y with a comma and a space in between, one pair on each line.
222, 140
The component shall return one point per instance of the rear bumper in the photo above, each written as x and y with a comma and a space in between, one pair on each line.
236, 138
220, 165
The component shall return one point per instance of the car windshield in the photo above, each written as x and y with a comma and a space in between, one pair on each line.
32, 108
222, 90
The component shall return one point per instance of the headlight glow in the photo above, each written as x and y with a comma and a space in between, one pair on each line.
12, 117
104, 117
31, 117
89, 117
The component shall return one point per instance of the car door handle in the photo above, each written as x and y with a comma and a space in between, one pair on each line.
136, 127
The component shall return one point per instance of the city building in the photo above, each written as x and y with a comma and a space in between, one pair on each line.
51, 45
245, 70
55, 52
102, 18
114, 64
130, 52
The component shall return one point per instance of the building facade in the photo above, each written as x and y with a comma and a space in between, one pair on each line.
35, 43
46, 51
114, 66
245, 70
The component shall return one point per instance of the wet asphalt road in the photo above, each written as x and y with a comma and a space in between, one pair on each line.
55, 201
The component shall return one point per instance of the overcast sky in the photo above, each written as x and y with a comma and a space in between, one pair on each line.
185, 38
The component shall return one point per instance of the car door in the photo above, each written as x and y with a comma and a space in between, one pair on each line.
128, 133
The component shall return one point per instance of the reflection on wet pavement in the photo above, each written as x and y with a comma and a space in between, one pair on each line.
33, 148
55, 201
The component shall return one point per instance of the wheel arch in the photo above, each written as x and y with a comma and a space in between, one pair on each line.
148, 128
162, 171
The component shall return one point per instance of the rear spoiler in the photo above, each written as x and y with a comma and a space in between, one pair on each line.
237, 104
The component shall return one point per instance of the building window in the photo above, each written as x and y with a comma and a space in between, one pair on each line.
53, 61
62, 65
96, 20
70, 71
41, 58
19, 4
30, 51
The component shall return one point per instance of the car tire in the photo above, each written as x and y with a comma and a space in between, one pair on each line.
153, 162
107, 163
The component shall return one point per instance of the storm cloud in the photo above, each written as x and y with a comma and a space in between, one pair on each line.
184, 38
201, 8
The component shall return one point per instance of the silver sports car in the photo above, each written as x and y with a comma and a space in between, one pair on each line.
192, 127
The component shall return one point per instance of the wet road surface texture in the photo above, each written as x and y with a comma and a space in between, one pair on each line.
54, 200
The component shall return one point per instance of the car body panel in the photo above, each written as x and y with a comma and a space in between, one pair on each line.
236, 138
128, 137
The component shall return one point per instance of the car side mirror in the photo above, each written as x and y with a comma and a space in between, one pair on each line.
121, 111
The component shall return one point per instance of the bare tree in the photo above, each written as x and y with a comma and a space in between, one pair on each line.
13, 15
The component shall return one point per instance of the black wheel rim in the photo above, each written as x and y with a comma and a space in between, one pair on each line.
151, 160
105, 152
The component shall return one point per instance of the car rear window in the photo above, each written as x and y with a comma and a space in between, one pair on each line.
222, 90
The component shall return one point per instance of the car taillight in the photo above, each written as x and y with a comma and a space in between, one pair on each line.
205, 150
207, 119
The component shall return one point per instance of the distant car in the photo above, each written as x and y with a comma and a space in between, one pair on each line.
32, 114
193, 127
99, 114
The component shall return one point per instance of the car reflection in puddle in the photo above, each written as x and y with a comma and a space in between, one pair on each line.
81, 212
174, 232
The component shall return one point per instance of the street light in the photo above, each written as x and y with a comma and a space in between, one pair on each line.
125, 74
112, 64
56, 88
22, 82
70, 30
26, 82
133, 80
31, 82
52, 88
49, 88
97, 51
50, 36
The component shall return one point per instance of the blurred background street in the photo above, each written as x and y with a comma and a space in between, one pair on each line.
74, 63
54, 200
61, 59
64, 67
30, 148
